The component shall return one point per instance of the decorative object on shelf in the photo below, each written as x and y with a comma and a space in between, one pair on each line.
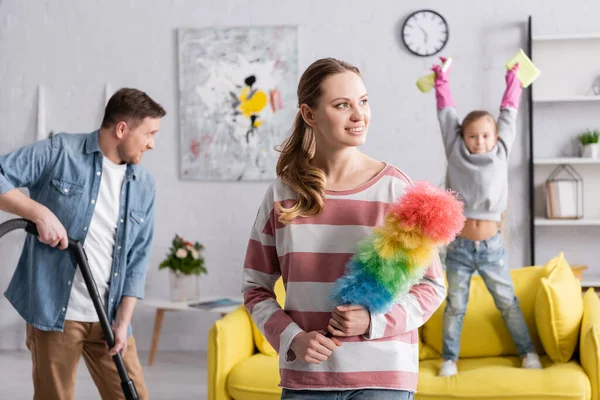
237, 100
564, 195
185, 264
528, 72
589, 143
578, 271
596, 86
425, 33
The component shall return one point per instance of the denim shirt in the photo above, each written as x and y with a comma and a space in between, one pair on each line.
63, 173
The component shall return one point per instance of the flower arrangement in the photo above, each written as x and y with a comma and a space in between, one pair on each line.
184, 257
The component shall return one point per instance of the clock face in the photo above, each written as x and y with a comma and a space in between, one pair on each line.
425, 33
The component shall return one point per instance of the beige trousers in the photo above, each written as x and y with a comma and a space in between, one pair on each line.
55, 356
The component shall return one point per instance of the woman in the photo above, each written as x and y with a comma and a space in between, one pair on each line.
328, 195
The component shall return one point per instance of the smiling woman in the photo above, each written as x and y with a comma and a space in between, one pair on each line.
326, 199
333, 118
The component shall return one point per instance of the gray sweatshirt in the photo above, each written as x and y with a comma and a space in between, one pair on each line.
480, 179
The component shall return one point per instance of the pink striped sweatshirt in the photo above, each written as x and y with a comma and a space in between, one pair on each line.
310, 254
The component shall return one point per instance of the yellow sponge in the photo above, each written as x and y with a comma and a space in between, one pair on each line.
528, 72
426, 83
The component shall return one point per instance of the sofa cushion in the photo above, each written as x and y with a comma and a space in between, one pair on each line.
260, 341
502, 378
255, 378
558, 311
484, 333
426, 352
589, 340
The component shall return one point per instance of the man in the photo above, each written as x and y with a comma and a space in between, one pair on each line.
87, 187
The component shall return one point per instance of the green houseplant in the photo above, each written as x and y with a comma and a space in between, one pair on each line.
185, 263
589, 143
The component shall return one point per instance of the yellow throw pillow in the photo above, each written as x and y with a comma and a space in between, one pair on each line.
262, 344
589, 340
558, 311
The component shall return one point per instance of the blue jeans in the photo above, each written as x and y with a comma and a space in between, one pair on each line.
362, 394
463, 257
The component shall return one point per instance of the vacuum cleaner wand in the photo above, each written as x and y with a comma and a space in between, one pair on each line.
77, 250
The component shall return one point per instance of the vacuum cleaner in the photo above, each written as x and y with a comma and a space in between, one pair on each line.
76, 249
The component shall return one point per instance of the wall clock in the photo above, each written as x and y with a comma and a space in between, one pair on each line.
425, 33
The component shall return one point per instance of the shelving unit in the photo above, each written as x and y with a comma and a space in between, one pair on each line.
552, 38
561, 106
590, 283
573, 99
539, 221
566, 160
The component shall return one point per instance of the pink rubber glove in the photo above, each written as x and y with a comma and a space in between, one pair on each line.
443, 95
512, 94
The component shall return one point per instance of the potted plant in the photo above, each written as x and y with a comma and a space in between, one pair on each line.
589, 143
185, 264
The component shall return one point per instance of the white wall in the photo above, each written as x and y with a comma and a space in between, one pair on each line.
74, 48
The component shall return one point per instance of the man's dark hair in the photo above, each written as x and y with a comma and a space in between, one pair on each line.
130, 104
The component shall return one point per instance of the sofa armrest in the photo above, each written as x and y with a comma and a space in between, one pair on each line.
589, 341
229, 342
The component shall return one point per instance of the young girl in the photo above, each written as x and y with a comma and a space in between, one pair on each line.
327, 197
477, 153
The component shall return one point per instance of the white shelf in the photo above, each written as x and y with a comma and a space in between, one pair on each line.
545, 38
569, 65
573, 99
567, 222
566, 160
590, 282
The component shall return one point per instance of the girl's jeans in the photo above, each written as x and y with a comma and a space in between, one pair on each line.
463, 257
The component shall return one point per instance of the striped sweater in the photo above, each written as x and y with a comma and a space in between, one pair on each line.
310, 254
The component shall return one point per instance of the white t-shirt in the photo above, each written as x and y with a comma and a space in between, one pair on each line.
99, 243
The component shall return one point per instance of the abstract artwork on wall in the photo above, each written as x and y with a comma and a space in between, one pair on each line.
237, 100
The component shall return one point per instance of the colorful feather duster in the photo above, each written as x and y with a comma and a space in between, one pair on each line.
396, 255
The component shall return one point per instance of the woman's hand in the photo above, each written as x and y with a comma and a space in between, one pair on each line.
349, 320
313, 347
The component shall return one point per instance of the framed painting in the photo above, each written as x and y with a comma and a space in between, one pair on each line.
237, 100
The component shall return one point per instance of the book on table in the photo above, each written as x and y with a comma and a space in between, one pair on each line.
216, 303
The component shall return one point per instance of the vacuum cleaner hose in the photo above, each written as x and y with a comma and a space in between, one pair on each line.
77, 250
19, 223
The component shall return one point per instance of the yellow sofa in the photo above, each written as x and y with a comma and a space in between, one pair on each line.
243, 366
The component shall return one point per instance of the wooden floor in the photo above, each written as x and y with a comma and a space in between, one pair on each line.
174, 376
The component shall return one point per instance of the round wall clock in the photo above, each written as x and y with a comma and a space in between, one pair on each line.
425, 33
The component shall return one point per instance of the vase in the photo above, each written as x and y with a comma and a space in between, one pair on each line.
590, 150
183, 287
